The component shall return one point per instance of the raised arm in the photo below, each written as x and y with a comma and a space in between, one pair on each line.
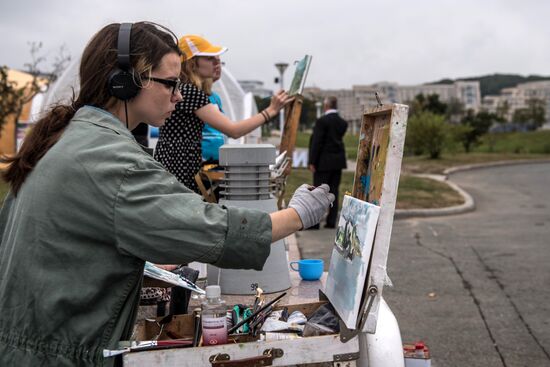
221, 122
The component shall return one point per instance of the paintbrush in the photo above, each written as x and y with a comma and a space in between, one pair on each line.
256, 325
258, 299
148, 345
198, 329
276, 299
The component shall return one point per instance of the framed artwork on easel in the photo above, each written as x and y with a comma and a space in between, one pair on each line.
300, 75
370, 208
294, 110
292, 119
350, 257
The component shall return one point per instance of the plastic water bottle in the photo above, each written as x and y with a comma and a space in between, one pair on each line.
214, 324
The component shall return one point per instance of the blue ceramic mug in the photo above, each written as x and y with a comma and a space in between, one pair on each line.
309, 269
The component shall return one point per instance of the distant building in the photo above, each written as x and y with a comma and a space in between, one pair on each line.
255, 87
512, 99
539, 90
467, 93
349, 106
365, 94
352, 103
492, 103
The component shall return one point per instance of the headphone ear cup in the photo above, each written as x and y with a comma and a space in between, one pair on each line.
124, 85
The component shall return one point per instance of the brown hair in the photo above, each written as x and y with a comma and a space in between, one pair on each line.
149, 43
189, 75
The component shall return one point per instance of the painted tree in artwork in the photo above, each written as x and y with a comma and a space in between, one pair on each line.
347, 237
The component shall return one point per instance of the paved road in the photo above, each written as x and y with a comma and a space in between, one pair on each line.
475, 287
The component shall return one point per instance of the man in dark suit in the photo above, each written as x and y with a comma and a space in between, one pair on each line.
327, 154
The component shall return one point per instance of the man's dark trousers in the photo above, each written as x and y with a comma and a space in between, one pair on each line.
332, 178
327, 155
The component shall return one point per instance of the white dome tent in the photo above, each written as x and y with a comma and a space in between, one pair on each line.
237, 104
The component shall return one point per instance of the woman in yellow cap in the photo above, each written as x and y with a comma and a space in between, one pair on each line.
179, 144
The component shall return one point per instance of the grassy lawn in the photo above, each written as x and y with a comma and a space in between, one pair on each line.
420, 192
493, 147
531, 142
350, 141
414, 192
422, 164
417, 192
300, 176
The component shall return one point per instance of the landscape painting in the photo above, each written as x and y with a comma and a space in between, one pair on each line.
350, 257
300, 75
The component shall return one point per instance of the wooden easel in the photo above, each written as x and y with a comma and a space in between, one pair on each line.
288, 142
376, 181
290, 130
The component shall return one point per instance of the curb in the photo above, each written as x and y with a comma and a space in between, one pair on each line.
469, 203
468, 206
469, 167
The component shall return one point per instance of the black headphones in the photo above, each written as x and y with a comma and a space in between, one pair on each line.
124, 83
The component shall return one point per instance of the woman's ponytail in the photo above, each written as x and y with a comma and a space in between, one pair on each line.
42, 136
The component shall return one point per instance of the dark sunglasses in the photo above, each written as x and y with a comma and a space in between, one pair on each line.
173, 83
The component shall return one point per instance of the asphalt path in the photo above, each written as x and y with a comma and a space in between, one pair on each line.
474, 287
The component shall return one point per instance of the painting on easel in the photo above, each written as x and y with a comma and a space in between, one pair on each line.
300, 75
350, 257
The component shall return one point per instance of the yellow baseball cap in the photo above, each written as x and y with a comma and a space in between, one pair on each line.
193, 45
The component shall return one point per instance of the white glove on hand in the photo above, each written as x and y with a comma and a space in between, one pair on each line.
311, 203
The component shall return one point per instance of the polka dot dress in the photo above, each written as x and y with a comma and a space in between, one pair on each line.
179, 144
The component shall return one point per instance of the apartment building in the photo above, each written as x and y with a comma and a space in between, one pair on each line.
353, 102
518, 97
349, 106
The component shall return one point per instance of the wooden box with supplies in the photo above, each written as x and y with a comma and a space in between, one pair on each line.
308, 336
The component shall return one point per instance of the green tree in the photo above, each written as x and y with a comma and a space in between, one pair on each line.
426, 133
414, 142
13, 97
417, 105
434, 105
429, 103
479, 124
309, 114
502, 111
455, 110
521, 116
460, 133
533, 115
537, 111
262, 104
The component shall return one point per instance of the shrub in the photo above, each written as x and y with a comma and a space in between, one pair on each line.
426, 133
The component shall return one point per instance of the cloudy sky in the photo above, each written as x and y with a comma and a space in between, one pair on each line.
352, 42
